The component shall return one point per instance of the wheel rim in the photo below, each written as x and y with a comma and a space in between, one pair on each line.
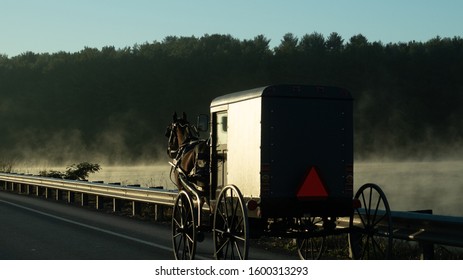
372, 237
230, 228
183, 228
310, 247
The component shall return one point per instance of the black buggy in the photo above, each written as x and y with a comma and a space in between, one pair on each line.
278, 162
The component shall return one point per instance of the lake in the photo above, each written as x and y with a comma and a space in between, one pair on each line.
409, 186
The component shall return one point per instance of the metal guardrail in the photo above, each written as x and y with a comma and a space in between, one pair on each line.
421, 226
445, 230
427, 229
32, 184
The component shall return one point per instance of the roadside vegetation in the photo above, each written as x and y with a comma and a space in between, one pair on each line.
6, 166
79, 171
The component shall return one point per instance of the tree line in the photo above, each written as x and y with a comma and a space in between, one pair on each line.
115, 104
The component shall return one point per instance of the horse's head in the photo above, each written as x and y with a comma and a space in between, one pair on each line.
179, 132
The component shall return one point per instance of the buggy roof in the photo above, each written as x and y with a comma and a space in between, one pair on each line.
284, 91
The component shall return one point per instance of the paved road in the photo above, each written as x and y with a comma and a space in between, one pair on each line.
34, 228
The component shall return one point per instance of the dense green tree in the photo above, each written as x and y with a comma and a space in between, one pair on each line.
115, 103
334, 42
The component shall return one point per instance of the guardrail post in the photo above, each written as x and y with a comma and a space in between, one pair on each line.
47, 192
83, 199
98, 202
57, 194
70, 197
136, 207
158, 212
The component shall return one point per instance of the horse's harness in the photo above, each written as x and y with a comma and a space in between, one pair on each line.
191, 141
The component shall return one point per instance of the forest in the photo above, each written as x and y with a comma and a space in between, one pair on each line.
113, 105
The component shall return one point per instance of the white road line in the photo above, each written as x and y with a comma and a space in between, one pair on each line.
158, 246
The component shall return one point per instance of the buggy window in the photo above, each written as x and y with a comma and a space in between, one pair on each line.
222, 127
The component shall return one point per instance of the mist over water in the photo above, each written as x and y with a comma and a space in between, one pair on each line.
408, 185
143, 175
416, 185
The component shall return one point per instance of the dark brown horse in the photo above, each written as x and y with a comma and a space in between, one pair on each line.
189, 153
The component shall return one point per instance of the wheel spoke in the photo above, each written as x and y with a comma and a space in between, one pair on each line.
239, 238
238, 250
179, 241
225, 243
190, 239
176, 223
380, 219
369, 205
177, 234
376, 209
361, 218
366, 211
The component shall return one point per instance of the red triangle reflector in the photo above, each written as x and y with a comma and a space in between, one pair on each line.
312, 187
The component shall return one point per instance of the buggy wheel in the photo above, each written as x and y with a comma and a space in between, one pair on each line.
231, 226
310, 247
183, 228
371, 238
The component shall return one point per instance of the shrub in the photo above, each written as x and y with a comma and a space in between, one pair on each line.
79, 171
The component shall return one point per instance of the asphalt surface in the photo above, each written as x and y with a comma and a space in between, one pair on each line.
34, 228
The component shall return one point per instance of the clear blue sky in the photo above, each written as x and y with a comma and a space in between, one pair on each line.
64, 25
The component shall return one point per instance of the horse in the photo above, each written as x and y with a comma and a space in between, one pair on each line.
189, 153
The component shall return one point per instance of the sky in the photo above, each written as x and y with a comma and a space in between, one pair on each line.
49, 26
